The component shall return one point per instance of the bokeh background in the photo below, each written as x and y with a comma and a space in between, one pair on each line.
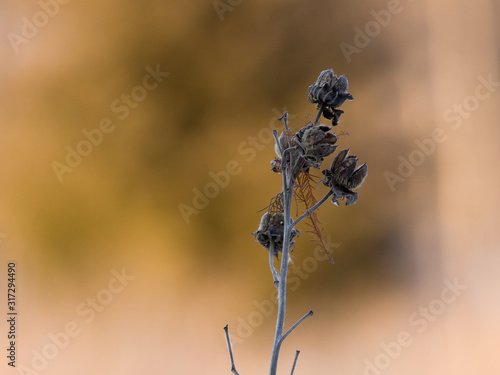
234, 67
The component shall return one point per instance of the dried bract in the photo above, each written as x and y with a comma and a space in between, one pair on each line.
330, 92
276, 165
316, 142
344, 178
271, 230
285, 140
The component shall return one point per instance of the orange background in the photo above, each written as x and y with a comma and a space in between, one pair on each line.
230, 75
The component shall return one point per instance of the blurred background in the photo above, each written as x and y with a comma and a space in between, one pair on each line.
130, 243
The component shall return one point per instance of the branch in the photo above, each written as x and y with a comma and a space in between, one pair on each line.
312, 209
310, 313
271, 264
288, 184
284, 117
233, 368
295, 361
318, 116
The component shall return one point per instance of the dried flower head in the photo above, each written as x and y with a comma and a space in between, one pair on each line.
330, 92
316, 142
271, 230
276, 165
344, 178
285, 141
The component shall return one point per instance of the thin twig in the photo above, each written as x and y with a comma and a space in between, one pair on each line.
284, 117
230, 348
271, 264
320, 111
310, 313
312, 209
295, 361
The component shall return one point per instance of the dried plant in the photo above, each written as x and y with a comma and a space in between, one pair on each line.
298, 152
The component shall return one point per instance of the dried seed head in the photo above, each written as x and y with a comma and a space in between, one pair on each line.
271, 230
285, 141
316, 142
326, 77
344, 178
330, 92
276, 165
342, 84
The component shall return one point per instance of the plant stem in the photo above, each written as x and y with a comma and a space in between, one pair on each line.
295, 361
288, 184
230, 348
312, 209
271, 264
310, 313
318, 116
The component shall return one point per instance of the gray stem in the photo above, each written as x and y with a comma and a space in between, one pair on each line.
230, 348
271, 264
318, 116
288, 184
295, 361
310, 313
312, 209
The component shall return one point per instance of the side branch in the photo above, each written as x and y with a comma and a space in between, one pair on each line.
312, 209
295, 361
310, 313
230, 348
271, 264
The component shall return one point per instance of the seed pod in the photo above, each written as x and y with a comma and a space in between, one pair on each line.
271, 230
330, 92
344, 178
316, 142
